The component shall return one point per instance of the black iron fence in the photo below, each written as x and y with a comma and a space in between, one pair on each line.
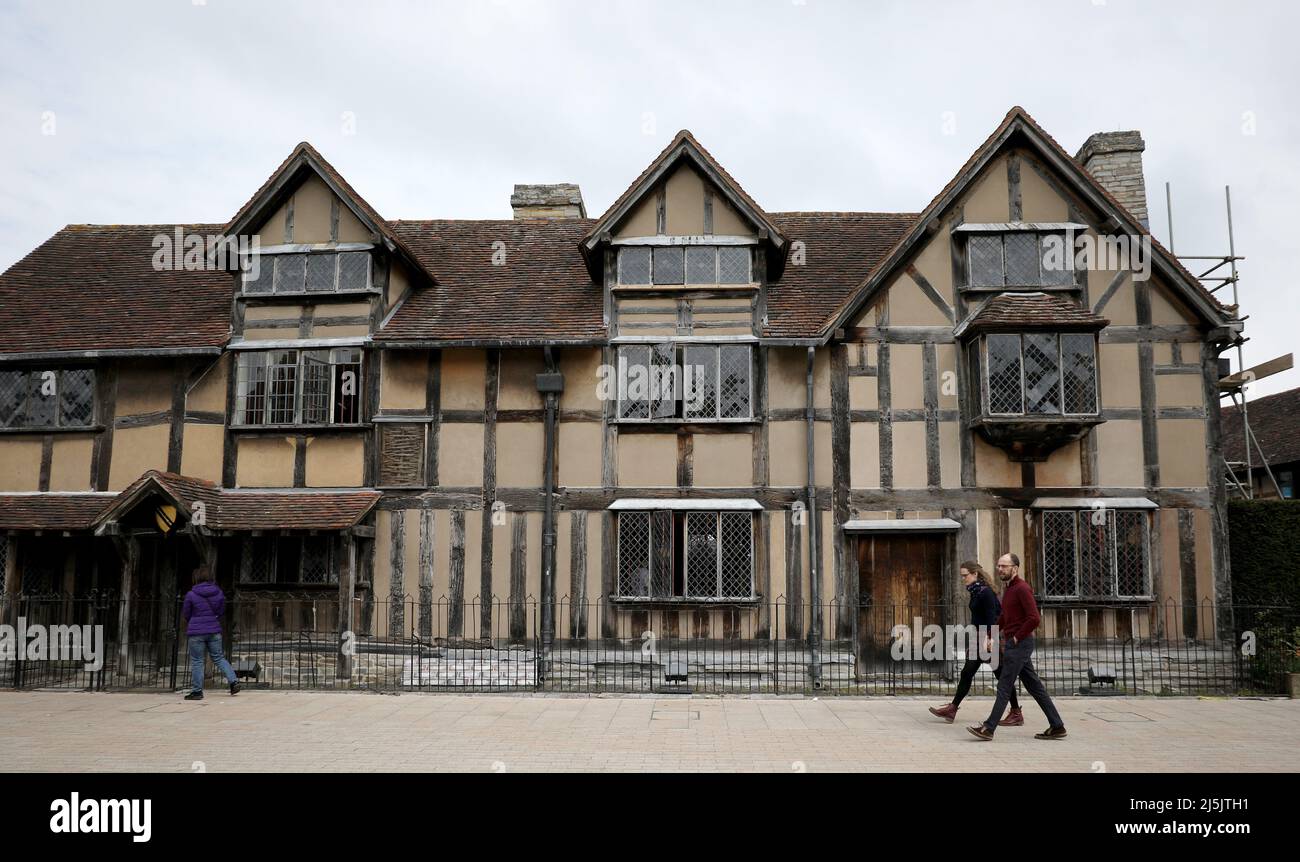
312, 641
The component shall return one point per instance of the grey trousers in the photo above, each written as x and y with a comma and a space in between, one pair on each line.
1017, 664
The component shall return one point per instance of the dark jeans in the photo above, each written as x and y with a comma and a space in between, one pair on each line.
1017, 663
201, 646
968, 671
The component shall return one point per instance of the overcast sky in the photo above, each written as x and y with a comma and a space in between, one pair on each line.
177, 110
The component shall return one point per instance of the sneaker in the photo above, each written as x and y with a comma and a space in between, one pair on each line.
1052, 733
948, 713
234, 688
981, 732
194, 695
1015, 718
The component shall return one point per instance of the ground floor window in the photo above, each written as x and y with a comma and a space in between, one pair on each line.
1096, 554
288, 561
665, 554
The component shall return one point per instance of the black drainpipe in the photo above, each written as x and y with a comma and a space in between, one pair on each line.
814, 589
550, 383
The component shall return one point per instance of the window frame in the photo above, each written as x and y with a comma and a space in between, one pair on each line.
1114, 530
685, 250
272, 544
680, 521
335, 358
31, 381
1039, 284
679, 416
1060, 336
269, 261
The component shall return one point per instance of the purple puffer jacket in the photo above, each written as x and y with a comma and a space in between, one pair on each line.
204, 606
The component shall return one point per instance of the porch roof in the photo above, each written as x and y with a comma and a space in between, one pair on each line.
55, 511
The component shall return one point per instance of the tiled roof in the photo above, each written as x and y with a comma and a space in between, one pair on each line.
51, 511
255, 509
540, 289
1275, 421
1009, 312
94, 287
839, 250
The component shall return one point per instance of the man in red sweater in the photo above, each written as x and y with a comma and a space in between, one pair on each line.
1016, 627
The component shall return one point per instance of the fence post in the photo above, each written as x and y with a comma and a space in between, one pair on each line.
18, 654
176, 644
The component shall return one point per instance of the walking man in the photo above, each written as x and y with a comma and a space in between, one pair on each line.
1016, 626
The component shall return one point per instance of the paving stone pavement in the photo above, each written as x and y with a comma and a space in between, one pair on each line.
322, 731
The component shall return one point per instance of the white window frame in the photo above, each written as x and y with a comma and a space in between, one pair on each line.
685, 518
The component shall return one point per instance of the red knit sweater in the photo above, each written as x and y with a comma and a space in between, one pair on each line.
1019, 615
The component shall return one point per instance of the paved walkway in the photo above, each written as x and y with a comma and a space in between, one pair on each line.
296, 731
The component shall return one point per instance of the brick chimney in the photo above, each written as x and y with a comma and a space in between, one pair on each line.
1115, 160
558, 200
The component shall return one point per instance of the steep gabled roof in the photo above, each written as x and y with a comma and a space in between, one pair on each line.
683, 147
1018, 124
93, 290
531, 287
305, 158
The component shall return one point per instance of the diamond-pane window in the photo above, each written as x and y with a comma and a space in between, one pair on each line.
1096, 553
76, 397
321, 272
316, 568
665, 389
701, 264
984, 252
634, 374
1021, 251
700, 370
734, 382
634, 265
701, 554
13, 398
670, 265
1057, 260
737, 555
42, 398
354, 270
1004, 374
1042, 373
1079, 372
733, 265
290, 273
634, 554
263, 280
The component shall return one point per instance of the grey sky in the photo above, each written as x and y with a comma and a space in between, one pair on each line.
171, 111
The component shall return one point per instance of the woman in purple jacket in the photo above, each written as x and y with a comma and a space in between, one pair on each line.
204, 606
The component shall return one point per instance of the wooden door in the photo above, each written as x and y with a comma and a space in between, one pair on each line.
900, 579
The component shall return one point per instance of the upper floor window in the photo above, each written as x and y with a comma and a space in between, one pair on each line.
317, 272
683, 265
687, 381
1096, 554
51, 398
664, 554
1014, 259
1040, 373
299, 387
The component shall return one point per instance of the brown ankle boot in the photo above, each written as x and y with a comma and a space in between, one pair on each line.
948, 713
1015, 718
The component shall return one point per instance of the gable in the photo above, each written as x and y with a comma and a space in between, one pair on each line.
692, 206
312, 213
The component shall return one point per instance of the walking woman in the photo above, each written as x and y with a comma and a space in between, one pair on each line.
984, 610
204, 606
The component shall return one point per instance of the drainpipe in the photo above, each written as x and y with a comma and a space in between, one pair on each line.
814, 590
550, 384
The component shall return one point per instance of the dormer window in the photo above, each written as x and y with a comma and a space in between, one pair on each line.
1015, 258
300, 273
681, 265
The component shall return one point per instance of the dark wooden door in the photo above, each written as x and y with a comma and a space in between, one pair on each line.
900, 579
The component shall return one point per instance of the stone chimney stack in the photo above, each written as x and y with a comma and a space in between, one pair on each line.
559, 200
1115, 160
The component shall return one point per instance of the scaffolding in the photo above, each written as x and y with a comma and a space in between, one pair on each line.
1222, 274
